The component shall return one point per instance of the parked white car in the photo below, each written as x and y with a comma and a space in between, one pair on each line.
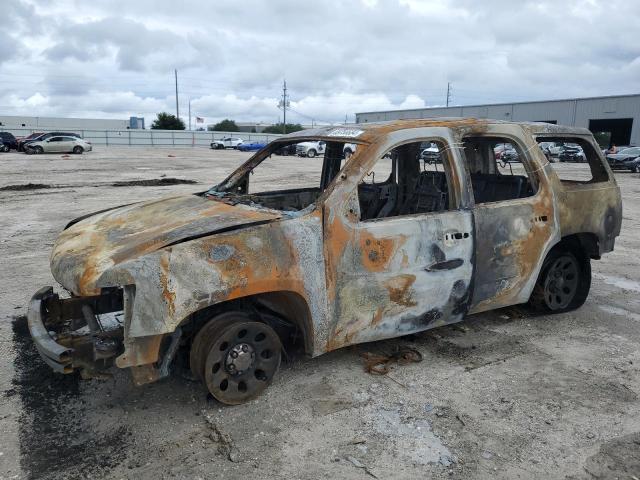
59, 144
312, 149
227, 142
348, 150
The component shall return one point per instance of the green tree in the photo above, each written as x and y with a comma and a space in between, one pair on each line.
277, 128
167, 121
226, 125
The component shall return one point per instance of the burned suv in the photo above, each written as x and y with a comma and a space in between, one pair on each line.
380, 245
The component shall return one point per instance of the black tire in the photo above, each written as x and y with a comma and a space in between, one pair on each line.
197, 355
564, 281
636, 169
78, 150
4, 148
236, 357
311, 153
220, 147
37, 150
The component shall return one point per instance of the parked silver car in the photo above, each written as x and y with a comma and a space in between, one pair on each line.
59, 144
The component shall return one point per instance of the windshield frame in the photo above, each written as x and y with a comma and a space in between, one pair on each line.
226, 186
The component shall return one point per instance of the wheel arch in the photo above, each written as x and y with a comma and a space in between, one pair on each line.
285, 305
586, 244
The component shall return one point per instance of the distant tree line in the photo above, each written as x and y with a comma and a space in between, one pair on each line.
167, 121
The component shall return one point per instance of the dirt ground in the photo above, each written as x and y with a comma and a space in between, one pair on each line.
503, 395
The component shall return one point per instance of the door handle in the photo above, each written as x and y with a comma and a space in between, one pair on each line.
446, 265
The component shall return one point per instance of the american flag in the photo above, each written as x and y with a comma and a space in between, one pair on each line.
199, 120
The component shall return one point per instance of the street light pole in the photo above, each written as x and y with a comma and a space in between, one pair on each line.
177, 109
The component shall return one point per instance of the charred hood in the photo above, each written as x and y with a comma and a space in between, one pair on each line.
90, 246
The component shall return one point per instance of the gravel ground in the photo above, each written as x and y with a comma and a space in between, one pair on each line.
502, 395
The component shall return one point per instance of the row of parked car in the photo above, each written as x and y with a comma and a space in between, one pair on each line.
627, 158
42, 142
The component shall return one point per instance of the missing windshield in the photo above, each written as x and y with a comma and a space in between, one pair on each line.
320, 158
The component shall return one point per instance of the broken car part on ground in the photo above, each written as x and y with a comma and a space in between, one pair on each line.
385, 244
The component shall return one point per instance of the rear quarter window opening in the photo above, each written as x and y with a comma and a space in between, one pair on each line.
497, 171
574, 159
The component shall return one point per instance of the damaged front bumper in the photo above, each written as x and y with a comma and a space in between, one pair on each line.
71, 334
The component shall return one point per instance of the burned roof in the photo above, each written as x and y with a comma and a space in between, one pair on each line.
364, 132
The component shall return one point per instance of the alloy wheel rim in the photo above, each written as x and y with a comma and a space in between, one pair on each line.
561, 283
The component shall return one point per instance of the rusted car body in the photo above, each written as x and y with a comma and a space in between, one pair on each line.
313, 260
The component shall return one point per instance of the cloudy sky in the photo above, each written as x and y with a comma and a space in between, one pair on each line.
116, 58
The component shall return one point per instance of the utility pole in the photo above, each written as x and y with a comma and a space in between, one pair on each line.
284, 103
177, 110
189, 113
448, 92
345, 118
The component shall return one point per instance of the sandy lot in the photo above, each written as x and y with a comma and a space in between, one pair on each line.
502, 395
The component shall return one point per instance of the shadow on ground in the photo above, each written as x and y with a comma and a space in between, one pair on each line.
55, 439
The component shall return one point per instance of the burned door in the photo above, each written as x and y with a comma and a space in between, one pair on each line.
513, 215
399, 245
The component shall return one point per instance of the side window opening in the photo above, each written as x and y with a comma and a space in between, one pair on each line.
406, 181
496, 170
573, 159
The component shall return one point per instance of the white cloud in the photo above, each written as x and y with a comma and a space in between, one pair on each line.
116, 58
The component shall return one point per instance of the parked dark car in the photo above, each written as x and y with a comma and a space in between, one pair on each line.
251, 147
287, 150
625, 159
24, 140
43, 136
572, 153
7, 142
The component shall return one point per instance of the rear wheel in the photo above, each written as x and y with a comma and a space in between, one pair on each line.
78, 149
236, 357
4, 148
563, 283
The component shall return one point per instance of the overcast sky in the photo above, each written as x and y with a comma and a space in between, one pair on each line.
114, 59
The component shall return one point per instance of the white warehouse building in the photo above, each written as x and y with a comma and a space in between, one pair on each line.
613, 119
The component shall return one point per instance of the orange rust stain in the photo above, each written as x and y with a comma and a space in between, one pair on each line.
337, 236
378, 252
253, 271
400, 290
377, 316
168, 295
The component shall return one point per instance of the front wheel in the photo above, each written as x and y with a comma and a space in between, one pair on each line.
311, 153
636, 169
37, 149
4, 148
563, 283
236, 357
